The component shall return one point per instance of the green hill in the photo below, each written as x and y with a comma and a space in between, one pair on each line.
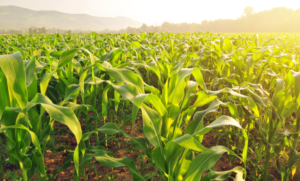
13, 17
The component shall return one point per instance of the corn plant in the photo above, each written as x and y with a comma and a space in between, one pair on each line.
244, 87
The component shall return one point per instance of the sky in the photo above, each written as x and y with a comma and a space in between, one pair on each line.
155, 11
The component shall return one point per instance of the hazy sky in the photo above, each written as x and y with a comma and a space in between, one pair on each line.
152, 11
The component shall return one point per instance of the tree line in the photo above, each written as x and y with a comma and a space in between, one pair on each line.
42, 30
280, 19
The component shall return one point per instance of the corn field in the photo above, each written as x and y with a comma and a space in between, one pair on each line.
242, 91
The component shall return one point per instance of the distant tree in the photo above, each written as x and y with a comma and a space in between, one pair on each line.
34, 30
249, 10
30, 31
42, 30
144, 27
68, 31
166, 26
131, 29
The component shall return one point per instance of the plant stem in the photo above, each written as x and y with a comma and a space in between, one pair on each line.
23, 171
266, 166
2, 173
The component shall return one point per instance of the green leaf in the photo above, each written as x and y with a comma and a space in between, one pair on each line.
71, 92
30, 71
225, 174
189, 142
221, 121
203, 162
4, 98
126, 76
108, 161
226, 45
14, 70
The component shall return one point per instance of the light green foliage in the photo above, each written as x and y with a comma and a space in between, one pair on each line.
239, 88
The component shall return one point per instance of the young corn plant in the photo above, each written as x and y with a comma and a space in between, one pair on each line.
20, 120
164, 118
179, 83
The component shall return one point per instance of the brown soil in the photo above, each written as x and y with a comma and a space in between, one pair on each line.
123, 149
